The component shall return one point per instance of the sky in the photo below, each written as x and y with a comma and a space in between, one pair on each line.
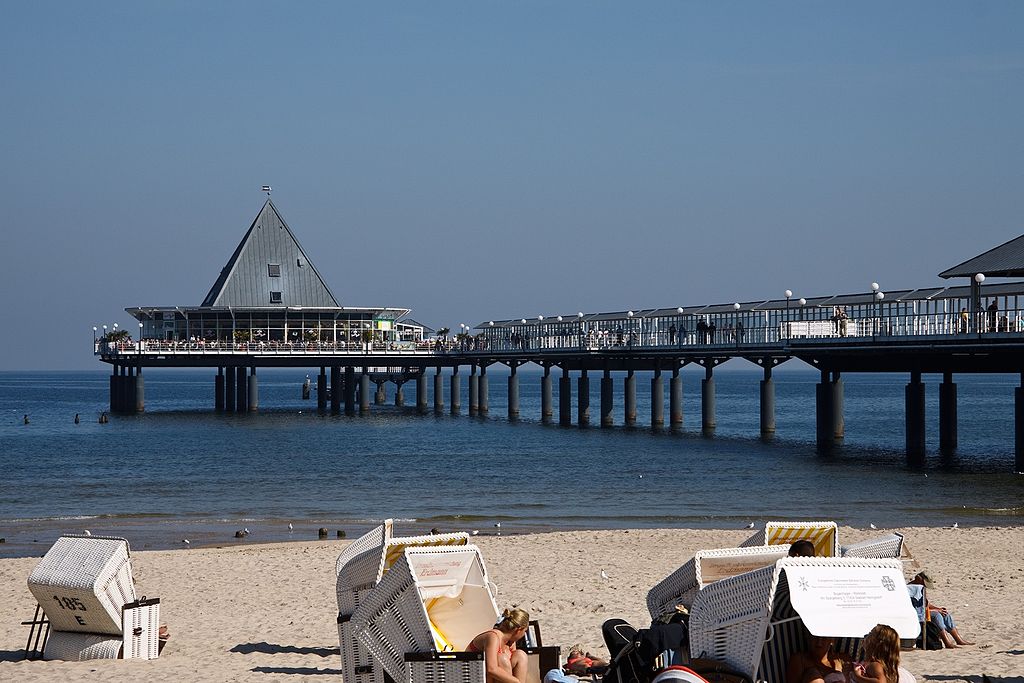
484, 160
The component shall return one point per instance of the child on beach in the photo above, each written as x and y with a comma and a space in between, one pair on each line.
881, 648
503, 662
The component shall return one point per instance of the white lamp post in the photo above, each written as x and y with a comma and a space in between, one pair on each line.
789, 295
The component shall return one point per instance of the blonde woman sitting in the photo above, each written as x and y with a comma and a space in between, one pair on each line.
504, 663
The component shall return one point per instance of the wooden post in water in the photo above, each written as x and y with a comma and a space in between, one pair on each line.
455, 391
947, 415
474, 390
915, 420
229, 389
218, 390
824, 417
438, 391
321, 390
513, 391
546, 404
483, 392
583, 399
350, 390
336, 390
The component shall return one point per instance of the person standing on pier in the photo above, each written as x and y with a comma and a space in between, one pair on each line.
993, 311
964, 318
672, 334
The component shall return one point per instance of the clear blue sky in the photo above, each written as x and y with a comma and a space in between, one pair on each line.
483, 160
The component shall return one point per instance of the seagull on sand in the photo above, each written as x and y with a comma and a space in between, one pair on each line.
956, 525
604, 575
475, 532
750, 526
290, 526
186, 541
88, 533
873, 526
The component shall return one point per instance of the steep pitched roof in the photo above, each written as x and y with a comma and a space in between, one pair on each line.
1006, 260
269, 260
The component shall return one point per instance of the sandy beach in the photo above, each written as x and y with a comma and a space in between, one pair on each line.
250, 612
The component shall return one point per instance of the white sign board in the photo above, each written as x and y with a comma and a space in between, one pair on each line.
847, 602
443, 574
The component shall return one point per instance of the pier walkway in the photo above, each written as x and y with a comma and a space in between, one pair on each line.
945, 330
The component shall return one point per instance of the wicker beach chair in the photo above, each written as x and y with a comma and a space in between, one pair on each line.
359, 569
824, 536
755, 621
884, 547
419, 620
84, 586
707, 566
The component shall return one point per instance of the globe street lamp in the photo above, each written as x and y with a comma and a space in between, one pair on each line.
789, 295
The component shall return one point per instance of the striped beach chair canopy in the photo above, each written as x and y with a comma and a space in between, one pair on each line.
824, 536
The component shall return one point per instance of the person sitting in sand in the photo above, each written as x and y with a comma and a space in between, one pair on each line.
503, 662
801, 548
940, 616
819, 662
583, 663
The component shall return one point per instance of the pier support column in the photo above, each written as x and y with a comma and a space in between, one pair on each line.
114, 388
229, 389
421, 391
380, 395
947, 415
824, 413
336, 390
438, 391
350, 390
483, 392
242, 389
657, 400
838, 420
455, 391
707, 399
583, 400
767, 401
565, 399
218, 391
131, 387
474, 390
629, 385
607, 400
675, 407
399, 394
546, 405
1018, 427
321, 390
915, 420
254, 391
364, 390
513, 392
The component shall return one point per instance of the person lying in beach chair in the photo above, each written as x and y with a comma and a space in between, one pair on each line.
582, 663
84, 586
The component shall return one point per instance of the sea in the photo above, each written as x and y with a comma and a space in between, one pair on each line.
181, 472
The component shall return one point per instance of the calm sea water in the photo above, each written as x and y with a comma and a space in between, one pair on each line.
181, 471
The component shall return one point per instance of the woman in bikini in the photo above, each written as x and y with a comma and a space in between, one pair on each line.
819, 662
504, 663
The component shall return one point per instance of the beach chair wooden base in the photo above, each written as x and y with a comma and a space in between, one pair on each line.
357, 664
37, 634
140, 639
445, 667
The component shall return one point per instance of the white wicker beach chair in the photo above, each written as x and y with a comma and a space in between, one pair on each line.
432, 602
359, 568
752, 622
824, 536
884, 547
84, 586
707, 566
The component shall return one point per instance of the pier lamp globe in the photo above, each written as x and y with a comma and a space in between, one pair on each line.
559, 318
874, 286
979, 278
788, 293
879, 295
523, 321
540, 318
630, 314
803, 301
735, 307
580, 314
491, 323
679, 310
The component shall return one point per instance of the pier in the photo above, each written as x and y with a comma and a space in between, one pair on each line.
270, 308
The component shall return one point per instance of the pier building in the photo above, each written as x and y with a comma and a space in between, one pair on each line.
269, 307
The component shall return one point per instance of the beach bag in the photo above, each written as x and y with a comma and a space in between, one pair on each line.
932, 637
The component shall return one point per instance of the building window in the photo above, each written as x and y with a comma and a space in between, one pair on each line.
274, 269
275, 297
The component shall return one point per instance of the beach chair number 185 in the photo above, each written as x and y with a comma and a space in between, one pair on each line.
70, 603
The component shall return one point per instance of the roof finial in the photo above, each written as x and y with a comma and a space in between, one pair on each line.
267, 189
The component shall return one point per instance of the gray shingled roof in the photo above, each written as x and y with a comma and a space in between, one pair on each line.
1006, 260
269, 246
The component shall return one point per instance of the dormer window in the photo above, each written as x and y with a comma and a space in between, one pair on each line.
274, 269
275, 297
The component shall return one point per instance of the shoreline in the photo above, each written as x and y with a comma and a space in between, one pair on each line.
239, 613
